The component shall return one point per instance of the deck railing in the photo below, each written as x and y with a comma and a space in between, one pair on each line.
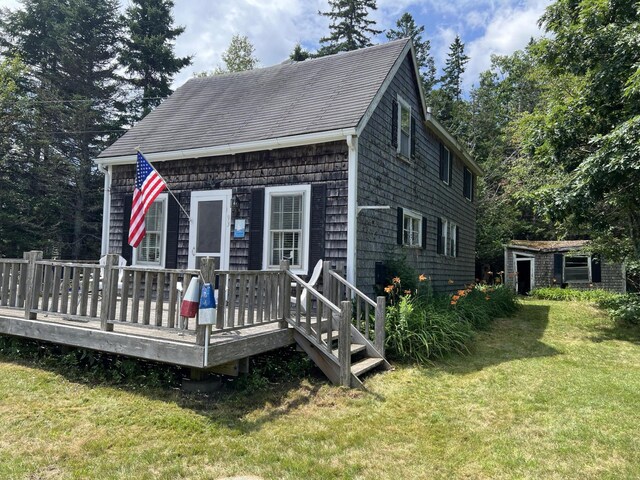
368, 317
13, 280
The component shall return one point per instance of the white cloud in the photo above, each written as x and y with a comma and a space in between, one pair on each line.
508, 30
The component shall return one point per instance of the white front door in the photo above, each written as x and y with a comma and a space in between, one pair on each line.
209, 229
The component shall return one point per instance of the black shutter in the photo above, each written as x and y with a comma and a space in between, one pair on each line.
400, 227
473, 181
466, 183
450, 168
317, 220
424, 233
443, 171
557, 267
394, 124
457, 240
173, 219
127, 250
596, 270
256, 229
439, 247
413, 136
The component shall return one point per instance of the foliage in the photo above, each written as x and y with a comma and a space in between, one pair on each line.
238, 57
350, 27
90, 365
299, 54
571, 294
623, 308
406, 27
421, 325
148, 55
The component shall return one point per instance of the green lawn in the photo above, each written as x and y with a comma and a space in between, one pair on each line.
553, 393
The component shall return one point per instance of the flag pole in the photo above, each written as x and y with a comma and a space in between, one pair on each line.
165, 184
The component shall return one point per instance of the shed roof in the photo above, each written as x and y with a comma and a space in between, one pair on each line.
548, 245
292, 98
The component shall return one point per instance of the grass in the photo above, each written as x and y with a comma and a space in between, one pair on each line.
550, 393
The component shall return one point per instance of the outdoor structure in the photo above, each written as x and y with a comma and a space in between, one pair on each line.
332, 164
334, 158
531, 264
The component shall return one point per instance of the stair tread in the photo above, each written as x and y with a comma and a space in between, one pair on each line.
355, 348
365, 365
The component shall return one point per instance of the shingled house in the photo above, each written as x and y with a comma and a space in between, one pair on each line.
565, 263
333, 158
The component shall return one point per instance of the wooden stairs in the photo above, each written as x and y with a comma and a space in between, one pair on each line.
362, 355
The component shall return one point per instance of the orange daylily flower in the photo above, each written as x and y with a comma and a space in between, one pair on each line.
422, 277
388, 288
396, 280
407, 292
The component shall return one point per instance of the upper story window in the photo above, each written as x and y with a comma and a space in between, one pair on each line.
151, 251
404, 128
577, 269
468, 184
287, 213
412, 229
445, 164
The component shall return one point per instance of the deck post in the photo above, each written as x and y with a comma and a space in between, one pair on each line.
109, 291
344, 343
381, 305
286, 294
326, 281
208, 272
31, 296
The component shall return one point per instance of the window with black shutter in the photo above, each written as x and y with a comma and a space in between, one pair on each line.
445, 164
468, 184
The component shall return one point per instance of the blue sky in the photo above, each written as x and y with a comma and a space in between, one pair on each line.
275, 26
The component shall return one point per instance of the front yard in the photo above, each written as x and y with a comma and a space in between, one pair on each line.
552, 393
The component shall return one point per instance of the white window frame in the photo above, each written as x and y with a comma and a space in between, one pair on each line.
445, 234
414, 216
164, 198
270, 192
452, 240
564, 266
448, 169
402, 103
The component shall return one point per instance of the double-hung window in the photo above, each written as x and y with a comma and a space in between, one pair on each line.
404, 128
467, 188
577, 269
287, 212
412, 229
151, 251
453, 239
443, 235
445, 164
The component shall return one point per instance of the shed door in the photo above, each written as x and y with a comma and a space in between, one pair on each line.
209, 229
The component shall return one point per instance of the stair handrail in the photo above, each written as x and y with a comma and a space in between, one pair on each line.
379, 305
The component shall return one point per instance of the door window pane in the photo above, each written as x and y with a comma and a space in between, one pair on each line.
209, 225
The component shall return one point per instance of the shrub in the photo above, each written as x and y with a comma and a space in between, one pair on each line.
568, 294
421, 325
623, 308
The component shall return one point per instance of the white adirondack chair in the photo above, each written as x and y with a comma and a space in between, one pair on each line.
313, 281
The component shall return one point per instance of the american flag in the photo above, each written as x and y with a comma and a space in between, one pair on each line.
149, 185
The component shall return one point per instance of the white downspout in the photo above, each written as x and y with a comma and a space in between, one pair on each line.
352, 208
106, 209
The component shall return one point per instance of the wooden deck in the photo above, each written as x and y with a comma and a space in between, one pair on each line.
135, 312
173, 346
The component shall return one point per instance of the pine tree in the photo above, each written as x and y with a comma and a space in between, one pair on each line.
72, 88
148, 52
299, 54
455, 66
350, 26
406, 27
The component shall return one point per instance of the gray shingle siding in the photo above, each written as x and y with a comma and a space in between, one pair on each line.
322, 163
386, 179
612, 274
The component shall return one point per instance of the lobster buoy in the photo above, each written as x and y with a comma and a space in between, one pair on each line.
189, 307
207, 315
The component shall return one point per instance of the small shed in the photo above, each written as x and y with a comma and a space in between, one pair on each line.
566, 263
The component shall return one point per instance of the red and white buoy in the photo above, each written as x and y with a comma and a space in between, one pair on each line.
189, 307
